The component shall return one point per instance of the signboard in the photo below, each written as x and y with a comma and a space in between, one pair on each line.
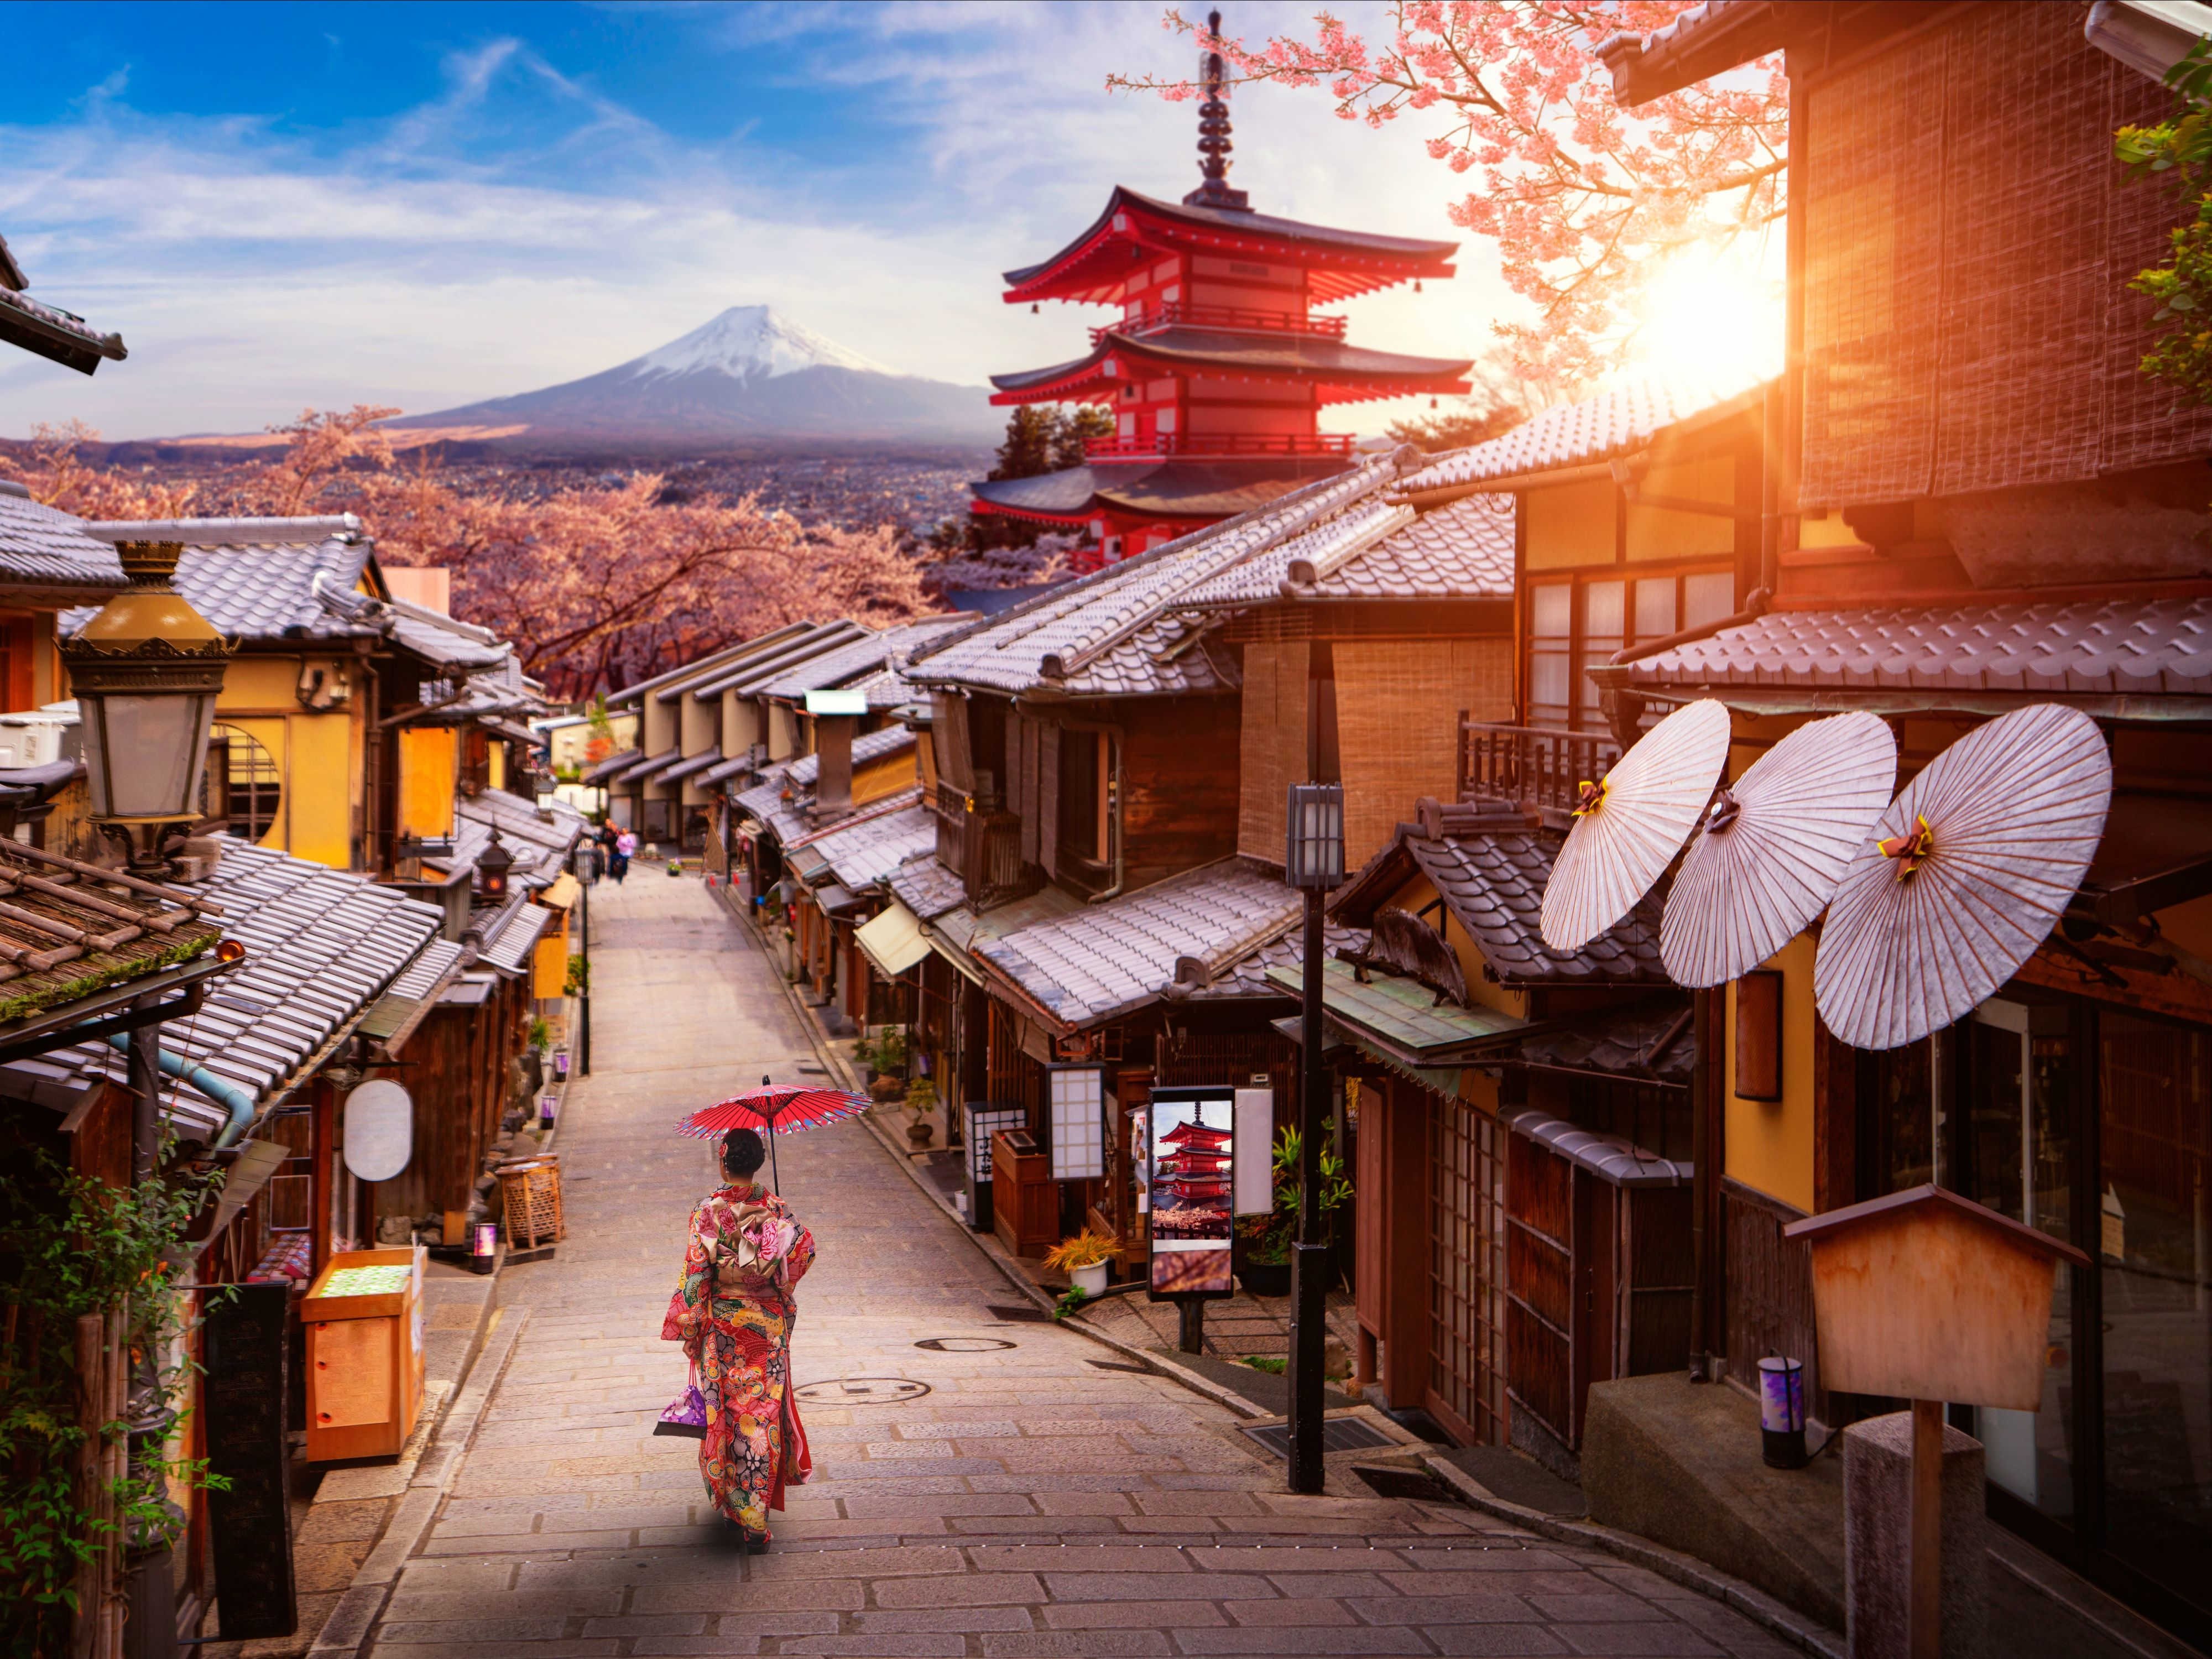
379, 1130
1189, 1173
984, 1120
244, 1352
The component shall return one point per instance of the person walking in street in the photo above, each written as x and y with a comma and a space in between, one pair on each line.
604, 838
733, 1313
618, 866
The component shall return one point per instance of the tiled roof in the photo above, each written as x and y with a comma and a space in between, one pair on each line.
1259, 579
868, 746
1108, 959
1619, 1042
322, 945
927, 887
1116, 632
51, 333
761, 646
764, 797
1461, 551
66, 934
722, 771
407, 993
2141, 646
510, 932
867, 852
859, 657
1611, 424
42, 546
1194, 487
604, 771
638, 771
757, 670
1493, 882
1246, 976
1243, 351
555, 829
690, 765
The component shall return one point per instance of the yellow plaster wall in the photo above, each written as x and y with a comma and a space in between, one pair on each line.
741, 725
1568, 524
319, 775
1658, 532
699, 724
428, 757
877, 779
1770, 1144
48, 685
1480, 987
495, 766
549, 962
660, 724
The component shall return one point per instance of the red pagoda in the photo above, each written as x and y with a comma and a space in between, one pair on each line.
1217, 370
1197, 1171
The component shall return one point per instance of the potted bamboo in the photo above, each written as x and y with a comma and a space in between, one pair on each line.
1084, 1258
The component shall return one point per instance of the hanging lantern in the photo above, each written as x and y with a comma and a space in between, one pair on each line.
146, 672
492, 866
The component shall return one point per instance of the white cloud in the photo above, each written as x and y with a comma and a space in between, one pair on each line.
522, 229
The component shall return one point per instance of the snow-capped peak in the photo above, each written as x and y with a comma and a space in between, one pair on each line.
749, 342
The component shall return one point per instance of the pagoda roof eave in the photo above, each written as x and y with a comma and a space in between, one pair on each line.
1192, 489
1343, 374
1355, 262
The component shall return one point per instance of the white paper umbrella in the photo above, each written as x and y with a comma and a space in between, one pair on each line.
1630, 826
1771, 852
1969, 871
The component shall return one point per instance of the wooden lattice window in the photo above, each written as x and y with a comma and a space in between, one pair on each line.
1467, 1269
243, 788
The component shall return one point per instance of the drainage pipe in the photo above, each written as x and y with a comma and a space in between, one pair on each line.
228, 1096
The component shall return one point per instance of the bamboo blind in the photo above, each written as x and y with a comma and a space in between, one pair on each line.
1271, 745
1969, 240
1396, 733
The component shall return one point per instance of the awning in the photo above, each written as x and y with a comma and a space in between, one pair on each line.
893, 940
1401, 1020
1616, 1162
562, 893
833, 900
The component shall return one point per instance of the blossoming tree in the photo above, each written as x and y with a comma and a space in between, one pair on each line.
1582, 200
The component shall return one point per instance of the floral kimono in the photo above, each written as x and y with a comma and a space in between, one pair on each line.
734, 1314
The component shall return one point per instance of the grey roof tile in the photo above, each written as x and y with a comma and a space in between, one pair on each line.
927, 887
1611, 424
1108, 959
2144, 646
859, 658
42, 545
865, 853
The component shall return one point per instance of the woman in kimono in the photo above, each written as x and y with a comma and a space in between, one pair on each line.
734, 1314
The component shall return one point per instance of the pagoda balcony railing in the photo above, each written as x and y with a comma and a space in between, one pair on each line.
1534, 767
1220, 443
1175, 312
981, 843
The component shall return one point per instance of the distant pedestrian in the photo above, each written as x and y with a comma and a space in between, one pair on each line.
604, 840
734, 1314
619, 864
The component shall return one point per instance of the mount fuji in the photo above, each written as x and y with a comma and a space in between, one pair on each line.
751, 376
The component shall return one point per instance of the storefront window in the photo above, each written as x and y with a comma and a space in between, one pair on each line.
2014, 1155
2155, 1247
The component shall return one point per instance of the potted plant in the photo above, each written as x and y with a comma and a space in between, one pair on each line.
921, 1101
1263, 1253
1084, 1258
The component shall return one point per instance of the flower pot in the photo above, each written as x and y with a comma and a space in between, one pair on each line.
1265, 1277
1090, 1281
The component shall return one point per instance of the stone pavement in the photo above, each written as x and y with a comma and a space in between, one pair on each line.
1001, 1493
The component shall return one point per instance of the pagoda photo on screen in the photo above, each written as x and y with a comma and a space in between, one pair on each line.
1191, 1200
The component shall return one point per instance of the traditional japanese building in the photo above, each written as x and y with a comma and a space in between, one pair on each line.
1219, 366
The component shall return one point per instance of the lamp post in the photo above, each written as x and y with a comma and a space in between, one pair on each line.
1314, 863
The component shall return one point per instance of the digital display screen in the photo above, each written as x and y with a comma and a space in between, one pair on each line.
1189, 1190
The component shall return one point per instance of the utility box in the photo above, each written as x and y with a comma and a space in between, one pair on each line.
364, 1324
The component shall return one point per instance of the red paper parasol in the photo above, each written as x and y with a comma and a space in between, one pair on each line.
772, 1110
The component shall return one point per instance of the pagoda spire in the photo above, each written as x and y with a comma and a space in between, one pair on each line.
1213, 145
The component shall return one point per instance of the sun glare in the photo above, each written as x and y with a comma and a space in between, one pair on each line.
1716, 319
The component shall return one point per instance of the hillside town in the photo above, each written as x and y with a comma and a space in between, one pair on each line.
1578, 1024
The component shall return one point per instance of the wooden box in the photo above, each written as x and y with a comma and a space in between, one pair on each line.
364, 1360
1024, 1202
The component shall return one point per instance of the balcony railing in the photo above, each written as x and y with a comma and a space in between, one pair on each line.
1531, 766
981, 843
1220, 443
1174, 311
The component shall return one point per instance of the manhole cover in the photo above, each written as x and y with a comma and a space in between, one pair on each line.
1012, 1315
862, 1391
962, 1344
1337, 1434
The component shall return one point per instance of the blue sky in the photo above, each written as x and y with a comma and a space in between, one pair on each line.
285, 205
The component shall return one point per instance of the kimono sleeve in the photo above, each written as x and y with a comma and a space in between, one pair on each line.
687, 1308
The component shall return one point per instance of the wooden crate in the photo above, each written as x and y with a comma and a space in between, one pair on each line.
364, 1360
530, 1203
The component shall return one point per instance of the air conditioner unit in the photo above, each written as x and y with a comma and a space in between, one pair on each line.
36, 739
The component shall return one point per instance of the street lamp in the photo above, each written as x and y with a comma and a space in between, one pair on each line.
1313, 862
492, 866
146, 672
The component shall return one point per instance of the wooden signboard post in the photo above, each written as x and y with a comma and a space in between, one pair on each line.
244, 1349
1928, 1296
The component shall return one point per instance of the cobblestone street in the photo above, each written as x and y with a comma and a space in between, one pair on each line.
1021, 1492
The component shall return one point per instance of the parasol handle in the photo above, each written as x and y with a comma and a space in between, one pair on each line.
774, 1181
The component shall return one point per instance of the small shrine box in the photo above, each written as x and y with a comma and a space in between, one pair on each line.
1024, 1202
1924, 1295
364, 1353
